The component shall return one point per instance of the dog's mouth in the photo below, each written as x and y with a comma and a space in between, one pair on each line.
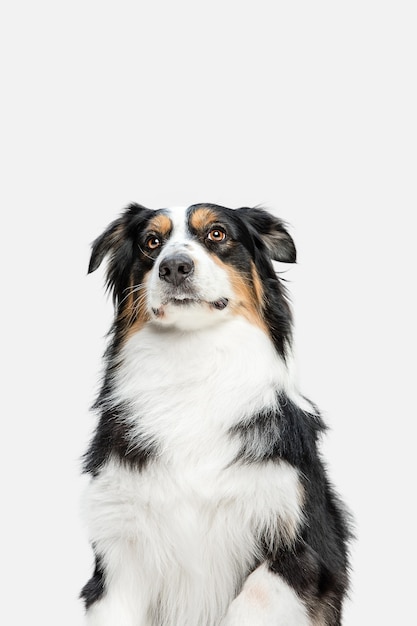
182, 301
218, 305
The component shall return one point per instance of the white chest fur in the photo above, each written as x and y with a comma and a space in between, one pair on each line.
188, 524
186, 389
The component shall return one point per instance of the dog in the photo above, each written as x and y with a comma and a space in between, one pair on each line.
208, 502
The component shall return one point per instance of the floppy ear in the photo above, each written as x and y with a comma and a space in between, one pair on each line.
104, 244
119, 242
273, 234
117, 237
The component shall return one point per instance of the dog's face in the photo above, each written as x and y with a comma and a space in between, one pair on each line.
190, 267
189, 284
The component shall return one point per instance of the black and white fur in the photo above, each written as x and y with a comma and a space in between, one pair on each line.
208, 503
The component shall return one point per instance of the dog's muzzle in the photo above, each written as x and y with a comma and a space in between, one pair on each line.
178, 286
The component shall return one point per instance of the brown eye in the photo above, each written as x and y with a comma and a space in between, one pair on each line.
216, 235
153, 242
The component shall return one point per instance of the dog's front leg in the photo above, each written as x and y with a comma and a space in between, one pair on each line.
266, 600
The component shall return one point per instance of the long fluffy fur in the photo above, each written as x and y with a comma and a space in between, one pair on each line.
208, 502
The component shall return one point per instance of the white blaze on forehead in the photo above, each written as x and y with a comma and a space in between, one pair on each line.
180, 232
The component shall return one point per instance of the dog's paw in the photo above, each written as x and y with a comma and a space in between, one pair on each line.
266, 600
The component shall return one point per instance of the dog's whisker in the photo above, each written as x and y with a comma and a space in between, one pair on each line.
134, 287
132, 290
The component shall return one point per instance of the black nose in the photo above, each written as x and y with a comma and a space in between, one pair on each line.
175, 269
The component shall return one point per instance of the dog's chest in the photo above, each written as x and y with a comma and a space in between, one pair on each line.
186, 390
194, 515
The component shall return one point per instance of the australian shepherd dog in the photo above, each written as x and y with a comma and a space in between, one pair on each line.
208, 503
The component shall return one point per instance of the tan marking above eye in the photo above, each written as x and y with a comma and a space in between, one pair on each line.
217, 235
202, 218
160, 224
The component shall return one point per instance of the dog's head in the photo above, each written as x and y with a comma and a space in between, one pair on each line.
188, 268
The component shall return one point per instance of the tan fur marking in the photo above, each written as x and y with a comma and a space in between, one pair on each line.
160, 224
249, 295
202, 218
133, 315
257, 285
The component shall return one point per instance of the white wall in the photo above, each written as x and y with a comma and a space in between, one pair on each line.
307, 107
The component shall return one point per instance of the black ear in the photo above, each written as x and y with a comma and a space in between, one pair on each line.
119, 242
120, 232
104, 244
272, 232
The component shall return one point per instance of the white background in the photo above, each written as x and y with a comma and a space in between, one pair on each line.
308, 107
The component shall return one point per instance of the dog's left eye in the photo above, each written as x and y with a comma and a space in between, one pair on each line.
217, 235
153, 242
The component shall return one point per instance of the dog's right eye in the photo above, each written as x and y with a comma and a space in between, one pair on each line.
153, 242
216, 234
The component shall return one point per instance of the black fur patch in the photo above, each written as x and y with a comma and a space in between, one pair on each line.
95, 587
299, 566
112, 439
283, 432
